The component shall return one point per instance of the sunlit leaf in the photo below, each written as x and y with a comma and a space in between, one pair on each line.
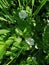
2, 51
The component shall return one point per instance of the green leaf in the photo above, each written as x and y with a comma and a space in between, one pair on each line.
28, 10
2, 51
17, 42
47, 58
18, 31
2, 43
2, 19
8, 42
4, 31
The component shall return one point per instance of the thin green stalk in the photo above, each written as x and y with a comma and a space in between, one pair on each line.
19, 3
32, 4
39, 7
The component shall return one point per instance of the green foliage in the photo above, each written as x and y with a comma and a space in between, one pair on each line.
40, 6
46, 42
14, 30
46, 38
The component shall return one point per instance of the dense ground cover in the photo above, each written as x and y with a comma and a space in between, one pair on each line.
24, 32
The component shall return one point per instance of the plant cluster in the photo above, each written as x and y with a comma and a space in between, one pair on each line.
24, 32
